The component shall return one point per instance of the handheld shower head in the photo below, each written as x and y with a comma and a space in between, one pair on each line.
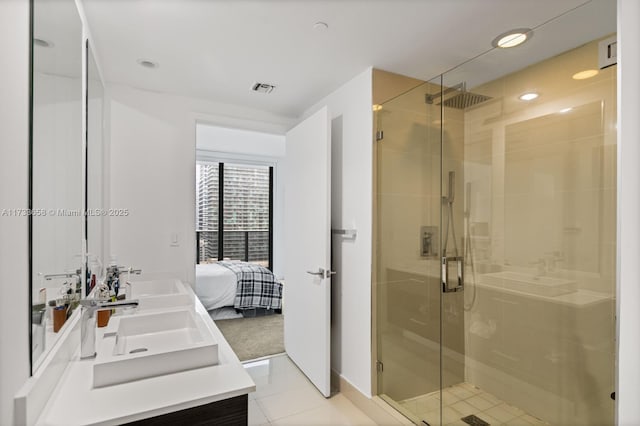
451, 192
467, 200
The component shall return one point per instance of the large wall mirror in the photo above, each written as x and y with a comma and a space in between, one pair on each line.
95, 217
56, 181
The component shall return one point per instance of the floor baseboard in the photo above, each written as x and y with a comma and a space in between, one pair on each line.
378, 410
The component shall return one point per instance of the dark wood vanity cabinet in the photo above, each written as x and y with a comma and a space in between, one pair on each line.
228, 412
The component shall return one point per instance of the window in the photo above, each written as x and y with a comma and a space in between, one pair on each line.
234, 212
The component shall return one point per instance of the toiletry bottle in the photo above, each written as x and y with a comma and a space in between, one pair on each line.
50, 307
59, 317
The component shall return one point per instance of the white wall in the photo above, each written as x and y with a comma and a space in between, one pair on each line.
235, 141
14, 116
58, 178
152, 173
628, 213
352, 192
246, 146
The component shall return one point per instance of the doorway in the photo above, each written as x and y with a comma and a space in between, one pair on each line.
238, 207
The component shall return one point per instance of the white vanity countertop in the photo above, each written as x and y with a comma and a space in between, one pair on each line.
75, 402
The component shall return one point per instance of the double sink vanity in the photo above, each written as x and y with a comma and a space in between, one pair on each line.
162, 362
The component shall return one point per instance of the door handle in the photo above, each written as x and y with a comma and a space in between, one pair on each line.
445, 274
320, 272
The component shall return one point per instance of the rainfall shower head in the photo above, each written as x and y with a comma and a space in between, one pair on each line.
460, 100
464, 100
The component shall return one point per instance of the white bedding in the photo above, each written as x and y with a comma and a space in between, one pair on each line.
215, 285
224, 314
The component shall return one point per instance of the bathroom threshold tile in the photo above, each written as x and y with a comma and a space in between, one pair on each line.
325, 415
290, 402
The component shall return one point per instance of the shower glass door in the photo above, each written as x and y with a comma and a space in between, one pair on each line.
528, 213
495, 239
407, 272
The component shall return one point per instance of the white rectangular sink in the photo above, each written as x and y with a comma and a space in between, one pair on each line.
542, 286
158, 294
153, 344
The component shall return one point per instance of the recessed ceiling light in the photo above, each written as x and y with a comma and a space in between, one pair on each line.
583, 75
528, 96
40, 42
512, 38
320, 26
377, 107
147, 63
565, 110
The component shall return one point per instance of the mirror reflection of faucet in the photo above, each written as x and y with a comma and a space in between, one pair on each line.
542, 268
114, 281
553, 258
548, 263
114, 272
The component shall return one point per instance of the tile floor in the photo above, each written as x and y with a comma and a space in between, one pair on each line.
284, 396
464, 399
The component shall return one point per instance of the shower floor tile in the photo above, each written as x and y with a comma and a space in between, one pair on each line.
462, 400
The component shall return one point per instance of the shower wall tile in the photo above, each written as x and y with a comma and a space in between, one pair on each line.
402, 217
401, 173
387, 85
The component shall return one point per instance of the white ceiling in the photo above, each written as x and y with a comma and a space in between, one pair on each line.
59, 24
216, 49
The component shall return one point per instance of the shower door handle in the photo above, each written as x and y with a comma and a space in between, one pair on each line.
445, 274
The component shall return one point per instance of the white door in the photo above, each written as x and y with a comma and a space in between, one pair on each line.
307, 288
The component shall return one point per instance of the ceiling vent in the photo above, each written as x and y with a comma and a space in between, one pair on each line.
263, 87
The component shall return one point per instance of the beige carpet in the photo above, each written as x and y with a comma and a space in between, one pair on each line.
252, 338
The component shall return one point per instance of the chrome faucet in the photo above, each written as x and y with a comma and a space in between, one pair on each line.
75, 289
75, 275
129, 270
88, 322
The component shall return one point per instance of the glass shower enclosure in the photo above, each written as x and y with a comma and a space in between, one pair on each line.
495, 236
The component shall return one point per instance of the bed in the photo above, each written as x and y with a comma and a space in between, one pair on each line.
241, 285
